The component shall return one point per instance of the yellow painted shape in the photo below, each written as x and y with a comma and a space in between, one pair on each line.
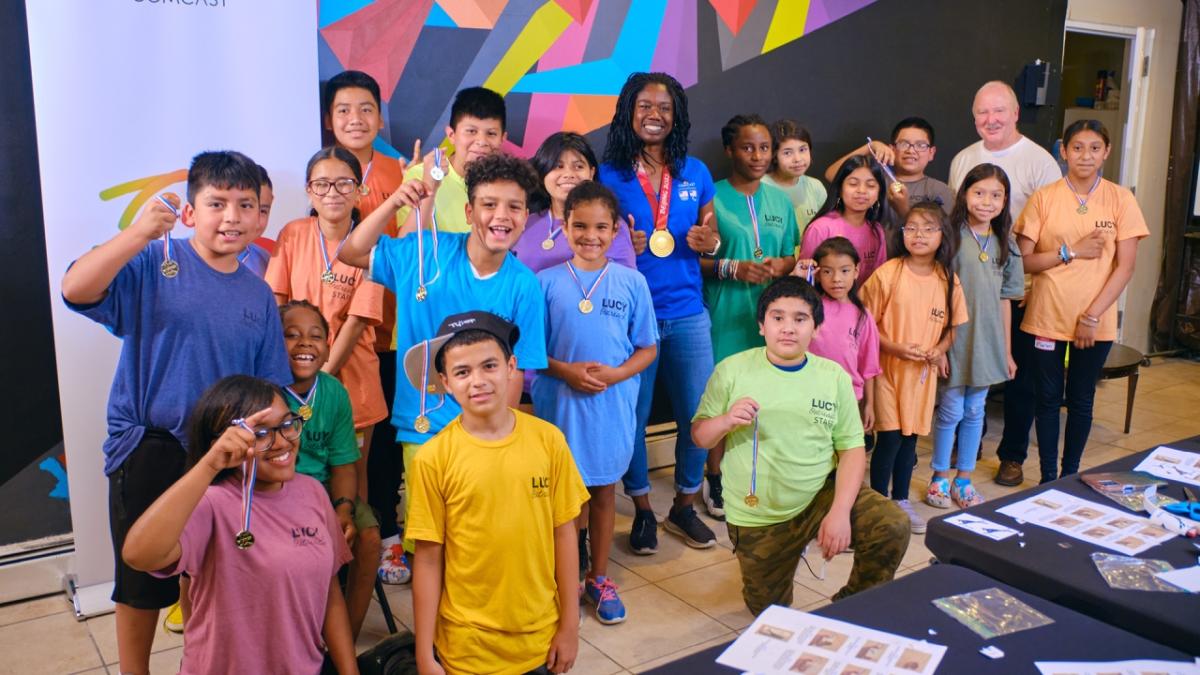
787, 24
543, 29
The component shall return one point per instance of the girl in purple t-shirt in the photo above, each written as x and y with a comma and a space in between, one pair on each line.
276, 586
848, 335
855, 209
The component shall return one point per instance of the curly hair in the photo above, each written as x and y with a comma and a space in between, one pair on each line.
303, 304
623, 148
500, 167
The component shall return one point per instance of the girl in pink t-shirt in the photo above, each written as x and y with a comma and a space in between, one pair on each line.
855, 209
280, 590
848, 335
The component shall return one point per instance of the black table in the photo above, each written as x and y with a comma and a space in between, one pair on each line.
1059, 568
905, 607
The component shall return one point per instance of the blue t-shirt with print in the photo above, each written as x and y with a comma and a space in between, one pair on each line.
512, 293
675, 280
180, 336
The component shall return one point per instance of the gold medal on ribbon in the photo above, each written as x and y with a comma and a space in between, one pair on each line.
752, 500
586, 306
662, 243
327, 277
169, 269
364, 189
758, 253
983, 256
421, 424
547, 244
896, 187
1082, 209
421, 293
305, 412
244, 540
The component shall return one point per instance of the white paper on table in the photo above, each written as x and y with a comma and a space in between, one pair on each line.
1135, 667
1088, 521
1187, 578
978, 525
1172, 464
786, 641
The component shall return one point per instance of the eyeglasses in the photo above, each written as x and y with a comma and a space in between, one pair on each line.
922, 231
919, 146
264, 437
344, 186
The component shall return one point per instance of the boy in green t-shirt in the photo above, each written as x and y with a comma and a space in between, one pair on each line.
794, 458
328, 448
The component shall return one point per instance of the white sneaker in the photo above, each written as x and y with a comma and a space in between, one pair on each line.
916, 522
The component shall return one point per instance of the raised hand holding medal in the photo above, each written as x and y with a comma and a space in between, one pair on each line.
894, 185
169, 268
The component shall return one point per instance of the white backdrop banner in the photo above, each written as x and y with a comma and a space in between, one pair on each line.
126, 92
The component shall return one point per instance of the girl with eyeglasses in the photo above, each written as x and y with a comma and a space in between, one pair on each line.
305, 266
282, 588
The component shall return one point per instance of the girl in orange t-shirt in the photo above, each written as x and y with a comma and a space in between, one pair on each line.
304, 266
916, 301
1078, 238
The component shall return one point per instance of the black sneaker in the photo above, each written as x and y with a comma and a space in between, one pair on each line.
643, 536
714, 502
685, 523
583, 553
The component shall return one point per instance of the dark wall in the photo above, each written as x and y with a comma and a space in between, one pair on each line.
29, 412
887, 61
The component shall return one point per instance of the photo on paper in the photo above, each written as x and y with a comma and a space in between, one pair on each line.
809, 664
1042, 501
774, 632
1067, 522
913, 659
871, 651
1130, 542
1165, 458
1097, 532
1122, 522
1087, 512
1153, 532
827, 639
855, 670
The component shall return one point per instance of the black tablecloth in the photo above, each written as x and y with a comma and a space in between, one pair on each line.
905, 607
1059, 568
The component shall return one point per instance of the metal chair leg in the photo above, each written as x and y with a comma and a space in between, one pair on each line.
387, 608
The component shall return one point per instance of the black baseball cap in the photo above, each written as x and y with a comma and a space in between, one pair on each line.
419, 359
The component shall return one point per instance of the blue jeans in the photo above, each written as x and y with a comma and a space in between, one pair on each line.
1074, 384
959, 404
685, 358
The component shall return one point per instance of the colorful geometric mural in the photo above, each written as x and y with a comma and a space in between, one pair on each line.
560, 63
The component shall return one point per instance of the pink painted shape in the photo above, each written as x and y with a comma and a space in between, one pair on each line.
378, 39
824, 12
676, 51
578, 9
734, 12
473, 13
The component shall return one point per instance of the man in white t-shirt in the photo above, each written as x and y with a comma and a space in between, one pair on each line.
1029, 167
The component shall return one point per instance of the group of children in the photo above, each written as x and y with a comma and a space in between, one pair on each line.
417, 321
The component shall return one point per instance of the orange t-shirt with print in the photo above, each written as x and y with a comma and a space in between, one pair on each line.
295, 273
908, 308
1062, 293
385, 176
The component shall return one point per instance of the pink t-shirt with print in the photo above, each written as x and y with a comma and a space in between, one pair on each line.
848, 336
869, 240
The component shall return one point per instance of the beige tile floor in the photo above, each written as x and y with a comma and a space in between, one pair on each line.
680, 600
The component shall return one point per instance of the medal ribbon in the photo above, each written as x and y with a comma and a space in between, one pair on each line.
325, 247
367, 171
421, 248
554, 231
167, 235
661, 205
891, 176
587, 295
754, 221
987, 239
248, 478
425, 384
1084, 200
309, 399
437, 158
754, 461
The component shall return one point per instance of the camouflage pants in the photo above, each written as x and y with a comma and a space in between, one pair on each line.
768, 555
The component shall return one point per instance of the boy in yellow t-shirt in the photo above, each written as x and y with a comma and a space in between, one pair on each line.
493, 499
794, 458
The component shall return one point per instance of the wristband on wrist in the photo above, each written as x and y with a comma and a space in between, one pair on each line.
345, 500
1064, 254
715, 248
1089, 320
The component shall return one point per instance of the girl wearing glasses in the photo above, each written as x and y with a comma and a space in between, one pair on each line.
305, 266
917, 301
283, 587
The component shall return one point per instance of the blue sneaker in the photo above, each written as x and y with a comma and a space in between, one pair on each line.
602, 593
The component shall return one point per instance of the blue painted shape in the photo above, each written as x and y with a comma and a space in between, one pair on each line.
439, 17
384, 148
52, 466
633, 52
332, 11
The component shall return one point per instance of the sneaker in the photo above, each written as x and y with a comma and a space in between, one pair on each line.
393, 566
917, 523
965, 495
643, 536
1010, 473
602, 592
173, 621
685, 523
714, 501
938, 494
583, 553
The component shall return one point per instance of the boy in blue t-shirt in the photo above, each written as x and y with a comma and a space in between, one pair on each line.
436, 274
189, 314
794, 458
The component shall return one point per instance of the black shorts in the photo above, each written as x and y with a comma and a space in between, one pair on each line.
155, 464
